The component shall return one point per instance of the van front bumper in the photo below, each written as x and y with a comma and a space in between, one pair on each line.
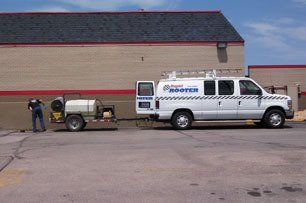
289, 114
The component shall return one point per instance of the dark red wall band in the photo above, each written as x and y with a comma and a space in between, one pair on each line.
60, 92
276, 66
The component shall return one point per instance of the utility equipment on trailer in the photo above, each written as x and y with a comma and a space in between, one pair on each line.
76, 113
181, 101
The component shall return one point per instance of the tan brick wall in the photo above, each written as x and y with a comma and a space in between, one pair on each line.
103, 67
281, 77
302, 102
97, 67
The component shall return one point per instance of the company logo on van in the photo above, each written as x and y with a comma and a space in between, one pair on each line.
166, 87
184, 90
180, 88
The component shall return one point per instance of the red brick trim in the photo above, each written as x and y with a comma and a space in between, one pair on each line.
60, 92
276, 66
84, 44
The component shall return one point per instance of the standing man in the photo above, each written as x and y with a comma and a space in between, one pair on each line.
35, 108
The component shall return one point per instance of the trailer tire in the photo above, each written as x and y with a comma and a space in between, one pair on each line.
84, 125
74, 123
181, 120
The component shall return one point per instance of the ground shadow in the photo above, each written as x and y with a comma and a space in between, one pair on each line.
88, 130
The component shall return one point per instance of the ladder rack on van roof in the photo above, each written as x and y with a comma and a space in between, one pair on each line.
212, 73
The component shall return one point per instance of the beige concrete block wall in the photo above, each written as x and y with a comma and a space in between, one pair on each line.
281, 77
103, 67
96, 67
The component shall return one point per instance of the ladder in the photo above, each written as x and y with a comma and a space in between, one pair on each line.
208, 72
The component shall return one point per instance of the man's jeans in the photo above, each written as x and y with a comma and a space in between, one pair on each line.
37, 112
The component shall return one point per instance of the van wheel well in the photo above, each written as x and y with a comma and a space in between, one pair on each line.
274, 107
180, 110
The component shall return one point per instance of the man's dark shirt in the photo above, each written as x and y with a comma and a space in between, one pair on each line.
33, 103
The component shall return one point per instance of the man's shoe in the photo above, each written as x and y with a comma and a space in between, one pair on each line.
43, 130
35, 131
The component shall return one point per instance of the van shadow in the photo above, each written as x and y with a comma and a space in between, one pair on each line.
220, 127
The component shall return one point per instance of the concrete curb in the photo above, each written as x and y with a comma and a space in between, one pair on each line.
4, 163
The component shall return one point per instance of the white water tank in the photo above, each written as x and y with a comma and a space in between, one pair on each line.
82, 106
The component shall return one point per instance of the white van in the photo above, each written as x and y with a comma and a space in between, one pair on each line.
181, 101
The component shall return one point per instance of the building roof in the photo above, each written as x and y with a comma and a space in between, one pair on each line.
116, 27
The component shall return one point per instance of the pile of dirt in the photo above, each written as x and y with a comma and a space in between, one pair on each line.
299, 116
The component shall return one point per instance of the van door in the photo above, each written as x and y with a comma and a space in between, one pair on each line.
227, 100
210, 101
250, 101
145, 97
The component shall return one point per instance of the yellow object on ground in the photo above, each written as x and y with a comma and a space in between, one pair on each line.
11, 176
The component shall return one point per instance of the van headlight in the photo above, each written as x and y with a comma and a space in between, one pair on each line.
289, 104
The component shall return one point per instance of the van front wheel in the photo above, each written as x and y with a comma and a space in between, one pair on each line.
181, 120
274, 119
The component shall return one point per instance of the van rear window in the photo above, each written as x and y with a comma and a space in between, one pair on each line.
209, 87
145, 89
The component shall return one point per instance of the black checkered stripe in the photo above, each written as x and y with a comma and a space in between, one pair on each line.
221, 97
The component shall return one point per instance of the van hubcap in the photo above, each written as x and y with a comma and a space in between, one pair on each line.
275, 119
182, 121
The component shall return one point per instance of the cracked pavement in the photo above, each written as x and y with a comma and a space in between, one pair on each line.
224, 163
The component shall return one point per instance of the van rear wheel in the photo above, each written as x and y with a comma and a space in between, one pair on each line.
181, 120
74, 123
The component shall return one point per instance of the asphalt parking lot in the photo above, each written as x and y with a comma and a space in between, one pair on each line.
227, 163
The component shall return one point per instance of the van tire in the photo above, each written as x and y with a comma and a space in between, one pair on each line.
74, 123
274, 119
181, 120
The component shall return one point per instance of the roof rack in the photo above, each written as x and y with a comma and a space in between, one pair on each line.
212, 73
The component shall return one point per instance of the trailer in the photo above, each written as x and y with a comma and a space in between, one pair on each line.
76, 113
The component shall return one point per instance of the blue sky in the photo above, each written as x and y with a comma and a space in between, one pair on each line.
274, 30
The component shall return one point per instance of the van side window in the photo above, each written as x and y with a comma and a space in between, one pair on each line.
226, 87
209, 87
247, 87
145, 89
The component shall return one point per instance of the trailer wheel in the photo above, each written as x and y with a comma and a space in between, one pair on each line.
84, 125
181, 120
74, 123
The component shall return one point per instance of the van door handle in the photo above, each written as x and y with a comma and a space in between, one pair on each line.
239, 103
219, 103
